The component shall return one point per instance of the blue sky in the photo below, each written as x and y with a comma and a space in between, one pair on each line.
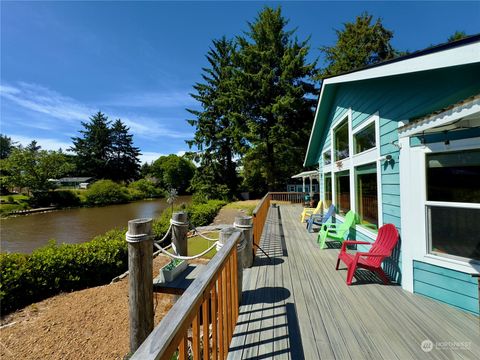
63, 61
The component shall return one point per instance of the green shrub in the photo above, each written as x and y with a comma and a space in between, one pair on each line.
10, 199
198, 215
203, 214
62, 198
146, 188
105, 192
60, 268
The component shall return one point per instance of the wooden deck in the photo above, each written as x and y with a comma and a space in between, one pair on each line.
296, 306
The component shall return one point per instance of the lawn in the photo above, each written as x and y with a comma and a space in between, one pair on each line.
14, 202
247, 205
197, 244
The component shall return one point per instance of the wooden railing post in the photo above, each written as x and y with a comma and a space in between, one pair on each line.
244, 224
140, 292
179, 233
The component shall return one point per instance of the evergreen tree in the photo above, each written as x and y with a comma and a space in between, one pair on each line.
124, 163
274, 80
359, 44
93, 149
219, 124
6, 146
457, 35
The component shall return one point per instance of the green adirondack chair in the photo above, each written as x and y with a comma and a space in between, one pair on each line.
336, 232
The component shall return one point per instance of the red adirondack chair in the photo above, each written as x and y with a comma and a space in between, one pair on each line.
382, 247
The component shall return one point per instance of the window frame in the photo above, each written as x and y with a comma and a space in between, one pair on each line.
439, 148
354, 160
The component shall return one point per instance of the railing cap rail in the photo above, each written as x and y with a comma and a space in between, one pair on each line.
259, 205
159, 340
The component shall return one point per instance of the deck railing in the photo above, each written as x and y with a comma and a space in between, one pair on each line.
209, 307
261, 211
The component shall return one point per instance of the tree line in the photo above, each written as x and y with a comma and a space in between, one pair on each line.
103, 150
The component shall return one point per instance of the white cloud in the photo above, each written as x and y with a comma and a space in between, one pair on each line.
148, 156
42, 100
45, 143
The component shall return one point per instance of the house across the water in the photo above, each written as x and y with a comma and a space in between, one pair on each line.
76, 182
399, 142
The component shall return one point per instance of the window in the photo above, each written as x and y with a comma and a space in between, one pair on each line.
353, 183
454, 176
365, 139
366, 191
328, 189
453, 196
327, 158
342, 190
341, 141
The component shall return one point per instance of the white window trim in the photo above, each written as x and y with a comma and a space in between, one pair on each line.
413, 205
349, 164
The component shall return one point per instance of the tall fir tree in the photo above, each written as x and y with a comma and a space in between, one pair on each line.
274, 79
94, 147
359, 44
124, 164
218, 124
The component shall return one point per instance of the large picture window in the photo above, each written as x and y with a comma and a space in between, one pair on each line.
366, 195
453, 196
342, 190
341, 150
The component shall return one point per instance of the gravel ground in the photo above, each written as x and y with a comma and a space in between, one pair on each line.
86, 324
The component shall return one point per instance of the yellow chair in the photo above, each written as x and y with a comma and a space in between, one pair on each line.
307, 212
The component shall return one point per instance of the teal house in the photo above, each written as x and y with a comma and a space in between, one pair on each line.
399, 143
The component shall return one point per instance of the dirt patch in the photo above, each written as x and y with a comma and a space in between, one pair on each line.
86, 324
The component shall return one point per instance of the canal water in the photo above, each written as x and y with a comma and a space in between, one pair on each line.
28, 232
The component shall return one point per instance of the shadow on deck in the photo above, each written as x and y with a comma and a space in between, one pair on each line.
296, 306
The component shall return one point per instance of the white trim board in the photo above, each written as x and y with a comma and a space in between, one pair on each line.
461, 55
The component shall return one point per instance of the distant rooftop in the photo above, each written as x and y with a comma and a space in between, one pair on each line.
75, 179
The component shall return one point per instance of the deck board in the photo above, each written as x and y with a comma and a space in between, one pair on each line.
296, 306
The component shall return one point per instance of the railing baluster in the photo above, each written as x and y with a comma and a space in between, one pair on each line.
229, 299
183, 348
225, 314
214, 315
206, 337
220, 314
196, 337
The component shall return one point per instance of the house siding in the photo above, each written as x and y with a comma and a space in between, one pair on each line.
449, 286
400, 98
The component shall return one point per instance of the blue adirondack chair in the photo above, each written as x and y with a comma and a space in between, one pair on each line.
319, 219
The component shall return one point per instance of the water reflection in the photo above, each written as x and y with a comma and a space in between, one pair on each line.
25, 233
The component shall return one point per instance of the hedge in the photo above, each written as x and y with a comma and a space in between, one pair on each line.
56, 268
52, 269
